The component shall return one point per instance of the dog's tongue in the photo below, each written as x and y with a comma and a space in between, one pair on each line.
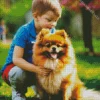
54, 56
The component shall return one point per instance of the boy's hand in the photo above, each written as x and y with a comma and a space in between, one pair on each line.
43, 71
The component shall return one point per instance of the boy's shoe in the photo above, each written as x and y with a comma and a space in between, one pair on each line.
17, 96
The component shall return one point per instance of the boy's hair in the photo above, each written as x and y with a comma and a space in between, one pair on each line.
42, 6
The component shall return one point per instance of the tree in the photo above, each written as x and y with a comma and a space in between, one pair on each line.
3, 9
87, 8
8, 3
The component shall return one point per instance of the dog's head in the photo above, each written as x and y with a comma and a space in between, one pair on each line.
53, 46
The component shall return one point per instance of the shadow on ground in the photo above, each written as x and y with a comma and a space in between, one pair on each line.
87, 58
92, 84
9, 98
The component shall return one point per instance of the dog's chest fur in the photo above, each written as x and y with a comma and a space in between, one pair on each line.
52, 83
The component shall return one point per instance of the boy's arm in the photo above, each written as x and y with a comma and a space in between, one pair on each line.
20, 62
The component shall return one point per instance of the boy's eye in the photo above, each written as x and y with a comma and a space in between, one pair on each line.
49, 20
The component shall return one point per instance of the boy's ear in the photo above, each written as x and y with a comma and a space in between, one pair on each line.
35, 15
42, 33
62, 33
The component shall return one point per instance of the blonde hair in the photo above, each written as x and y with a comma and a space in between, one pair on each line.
42, 6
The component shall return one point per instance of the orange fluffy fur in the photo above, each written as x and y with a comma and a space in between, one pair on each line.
64, 72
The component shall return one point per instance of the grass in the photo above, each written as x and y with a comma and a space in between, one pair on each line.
88, 67
3, 52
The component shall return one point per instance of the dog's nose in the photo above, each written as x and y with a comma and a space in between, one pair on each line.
54, 49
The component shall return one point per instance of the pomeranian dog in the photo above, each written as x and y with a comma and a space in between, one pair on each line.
54, 51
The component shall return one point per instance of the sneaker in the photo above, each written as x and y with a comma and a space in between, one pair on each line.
17, 96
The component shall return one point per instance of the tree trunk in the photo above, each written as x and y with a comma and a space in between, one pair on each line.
8, 3
87, 29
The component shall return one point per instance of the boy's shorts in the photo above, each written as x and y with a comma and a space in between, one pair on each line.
28, 77
6, 72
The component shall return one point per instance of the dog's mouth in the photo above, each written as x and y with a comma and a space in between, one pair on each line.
53, 55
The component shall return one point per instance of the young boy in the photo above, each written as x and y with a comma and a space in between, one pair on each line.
19, 71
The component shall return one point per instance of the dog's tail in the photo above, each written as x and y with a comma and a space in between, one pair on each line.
89, 94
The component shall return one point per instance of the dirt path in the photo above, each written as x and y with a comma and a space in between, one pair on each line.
8, 41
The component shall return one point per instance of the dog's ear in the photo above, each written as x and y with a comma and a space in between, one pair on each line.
61, 33
42, 33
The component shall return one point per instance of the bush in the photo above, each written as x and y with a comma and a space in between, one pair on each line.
65, 20
15, 17
3, 9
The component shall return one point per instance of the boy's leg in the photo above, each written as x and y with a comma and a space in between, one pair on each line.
19, 80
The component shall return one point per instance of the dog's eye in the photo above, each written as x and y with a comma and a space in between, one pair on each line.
40, 45
64, 46
47, 44
59, 45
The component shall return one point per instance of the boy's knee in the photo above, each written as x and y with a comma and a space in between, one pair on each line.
16, 73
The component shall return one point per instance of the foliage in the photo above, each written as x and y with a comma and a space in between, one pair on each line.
16, 15
6, 91
18, 10
3, 9
65, 20
76, 4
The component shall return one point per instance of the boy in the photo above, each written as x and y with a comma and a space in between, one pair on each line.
19, 72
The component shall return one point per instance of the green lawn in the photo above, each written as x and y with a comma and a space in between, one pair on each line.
3, 54
88, 66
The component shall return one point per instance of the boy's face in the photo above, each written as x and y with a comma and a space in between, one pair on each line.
47, 20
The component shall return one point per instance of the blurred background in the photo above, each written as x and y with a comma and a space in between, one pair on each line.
18, 12
80, 19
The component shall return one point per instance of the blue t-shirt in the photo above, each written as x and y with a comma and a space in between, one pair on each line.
25, 37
